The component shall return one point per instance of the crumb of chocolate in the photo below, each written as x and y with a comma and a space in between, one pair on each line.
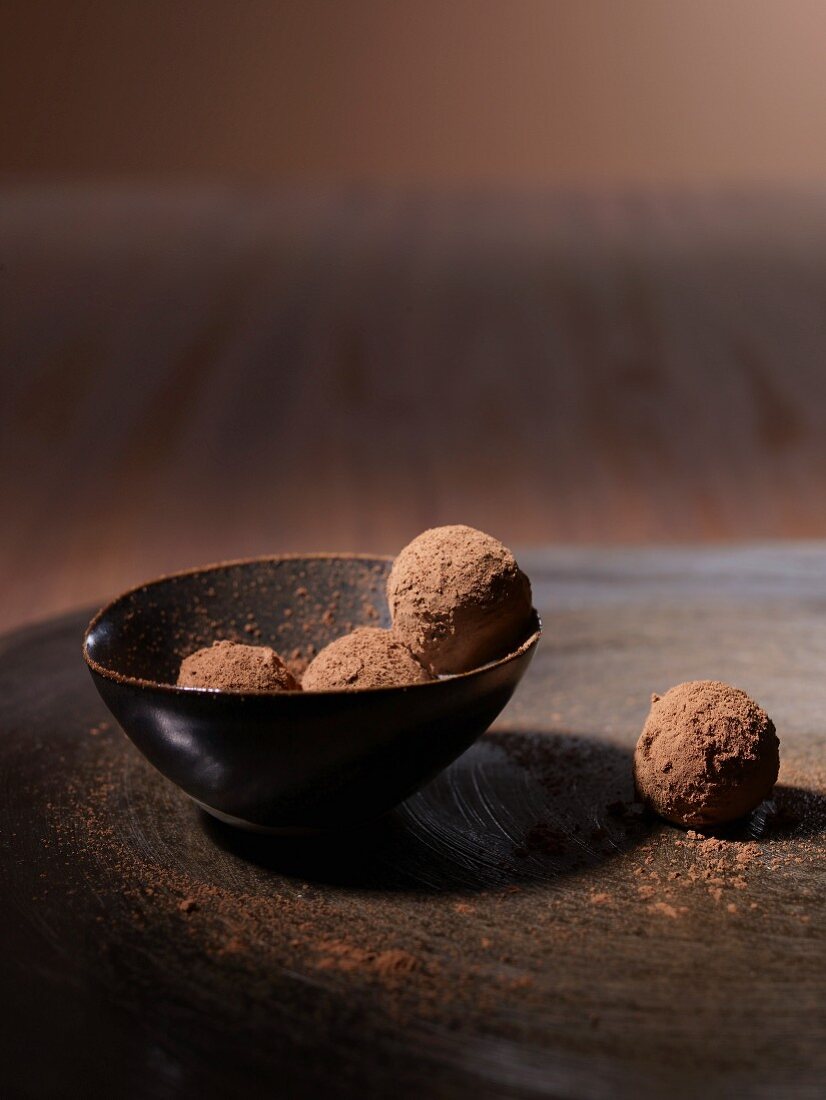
342, 955
541, 837
666, 910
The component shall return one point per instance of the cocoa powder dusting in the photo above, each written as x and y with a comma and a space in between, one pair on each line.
369, 657
458, 599
285, 924
160, 871
228, 666
707, 754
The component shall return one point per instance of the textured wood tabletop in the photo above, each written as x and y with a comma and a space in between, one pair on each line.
194, 375
516, 929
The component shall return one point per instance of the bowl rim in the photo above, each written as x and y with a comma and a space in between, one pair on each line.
175, 690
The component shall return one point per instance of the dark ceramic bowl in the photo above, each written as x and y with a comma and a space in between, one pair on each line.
292, 761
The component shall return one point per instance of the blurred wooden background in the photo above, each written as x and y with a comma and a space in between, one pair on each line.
193, 374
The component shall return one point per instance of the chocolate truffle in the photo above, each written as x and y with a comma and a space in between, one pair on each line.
229, 666
367, 658
458, 599
707, 754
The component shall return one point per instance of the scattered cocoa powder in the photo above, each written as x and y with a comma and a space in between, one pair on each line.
667, 910
260, 934
388, 965
155, 870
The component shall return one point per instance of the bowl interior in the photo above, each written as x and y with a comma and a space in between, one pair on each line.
294, 604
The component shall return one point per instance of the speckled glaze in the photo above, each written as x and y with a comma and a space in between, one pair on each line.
290, 761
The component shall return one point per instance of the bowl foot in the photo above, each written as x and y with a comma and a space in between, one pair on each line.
254, 827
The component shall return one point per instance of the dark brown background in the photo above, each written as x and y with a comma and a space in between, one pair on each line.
504, 91
285, 276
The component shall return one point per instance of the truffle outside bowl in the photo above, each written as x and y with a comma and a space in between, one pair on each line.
293, 762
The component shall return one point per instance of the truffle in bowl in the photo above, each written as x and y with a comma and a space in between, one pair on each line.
286, 761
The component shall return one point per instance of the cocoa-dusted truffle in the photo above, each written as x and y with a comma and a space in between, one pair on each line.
458, 599
229, 666
707, 754
367, 658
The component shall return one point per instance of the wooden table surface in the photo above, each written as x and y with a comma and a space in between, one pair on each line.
189, 375
517, 929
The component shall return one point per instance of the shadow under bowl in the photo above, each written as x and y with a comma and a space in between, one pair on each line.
291, 761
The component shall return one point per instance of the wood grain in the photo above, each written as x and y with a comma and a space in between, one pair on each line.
194, 375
